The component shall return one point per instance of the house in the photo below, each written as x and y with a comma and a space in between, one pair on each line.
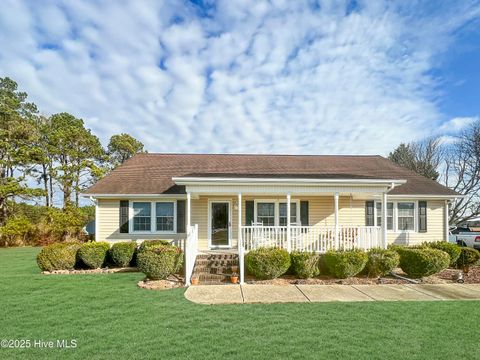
240, 202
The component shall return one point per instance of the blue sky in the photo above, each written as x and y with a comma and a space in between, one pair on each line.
311, 77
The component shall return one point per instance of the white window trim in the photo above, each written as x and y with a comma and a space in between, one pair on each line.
395, 216
276, 203
153, 217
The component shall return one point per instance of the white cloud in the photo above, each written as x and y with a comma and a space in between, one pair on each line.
457, 124
252, 76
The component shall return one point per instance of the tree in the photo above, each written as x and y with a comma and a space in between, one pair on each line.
77, 154
122, 147
462, 174
423, 157
17, 132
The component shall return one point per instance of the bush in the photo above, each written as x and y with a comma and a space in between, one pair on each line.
344, 264
452, 250
381, 262
267, 263
417, 263
304, 264
122, 253
147, 244
467, 257
58, 256
160, 261
93, 254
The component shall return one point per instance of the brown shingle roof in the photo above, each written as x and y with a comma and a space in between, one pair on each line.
152, 173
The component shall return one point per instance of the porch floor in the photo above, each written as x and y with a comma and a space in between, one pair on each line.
245, 294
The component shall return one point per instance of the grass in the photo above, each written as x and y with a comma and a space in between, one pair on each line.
110, 317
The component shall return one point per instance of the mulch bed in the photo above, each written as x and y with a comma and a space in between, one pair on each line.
91, 271
445, 277
170, 283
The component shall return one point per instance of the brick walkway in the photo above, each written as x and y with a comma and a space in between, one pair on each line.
236, 294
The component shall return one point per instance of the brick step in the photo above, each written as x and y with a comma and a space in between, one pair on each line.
202, 270
216, 263
217, 257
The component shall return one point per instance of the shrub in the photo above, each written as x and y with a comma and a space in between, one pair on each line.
343, 264
147, 244
58, 256
93, 254
122, 253
160, 261
467, 257
267, 263
381, 262
417, 263
304, 264
452, 250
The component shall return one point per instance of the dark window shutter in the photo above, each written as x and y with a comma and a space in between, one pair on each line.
181, 218
422, 216
123, 221
369, 213
249, 212
304, 213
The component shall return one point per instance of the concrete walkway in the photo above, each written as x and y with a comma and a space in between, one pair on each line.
249, 294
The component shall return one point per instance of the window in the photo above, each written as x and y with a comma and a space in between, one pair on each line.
164, 213
142, 216
266, 213
389, 215
283, 213
406, 215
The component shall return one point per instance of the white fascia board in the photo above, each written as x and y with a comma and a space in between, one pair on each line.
432, 197
131, 196
283, 181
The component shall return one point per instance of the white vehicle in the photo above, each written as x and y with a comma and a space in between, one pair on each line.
466, 235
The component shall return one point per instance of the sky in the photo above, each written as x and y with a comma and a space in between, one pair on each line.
291, 77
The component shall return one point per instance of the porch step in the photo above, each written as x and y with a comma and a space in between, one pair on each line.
215, 268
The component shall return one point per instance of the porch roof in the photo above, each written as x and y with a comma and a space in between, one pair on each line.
154, 173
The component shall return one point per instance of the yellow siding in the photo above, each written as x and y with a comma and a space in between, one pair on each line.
108, 214
321, 213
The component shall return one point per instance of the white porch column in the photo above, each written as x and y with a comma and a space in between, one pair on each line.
384, 220
189, 207
289, 235
337, 240
447, 220
241, 252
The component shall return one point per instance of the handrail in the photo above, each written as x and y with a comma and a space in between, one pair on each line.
191, 251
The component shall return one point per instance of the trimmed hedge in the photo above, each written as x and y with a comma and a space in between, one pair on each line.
344, 264
147, 244
122, 253
58, 256
381, 262
93, 254
304, 264
160, 261
267, 263
417, 263
452, 250
467, 257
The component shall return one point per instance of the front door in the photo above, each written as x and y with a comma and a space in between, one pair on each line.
219, 224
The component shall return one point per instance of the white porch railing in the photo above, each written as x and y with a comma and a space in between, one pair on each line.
191, 250
312, 238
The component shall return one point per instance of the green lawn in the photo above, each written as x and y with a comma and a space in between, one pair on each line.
110, 317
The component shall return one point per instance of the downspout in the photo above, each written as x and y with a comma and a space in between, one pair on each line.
95, 201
